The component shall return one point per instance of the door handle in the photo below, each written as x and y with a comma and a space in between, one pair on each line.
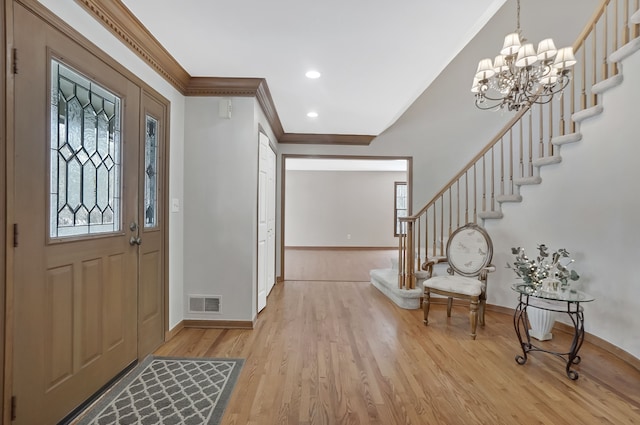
135, 239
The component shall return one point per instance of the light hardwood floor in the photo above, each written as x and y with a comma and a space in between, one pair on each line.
342, 353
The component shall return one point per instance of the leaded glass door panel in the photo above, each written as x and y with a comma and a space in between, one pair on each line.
76, 161
151, 296
85, 166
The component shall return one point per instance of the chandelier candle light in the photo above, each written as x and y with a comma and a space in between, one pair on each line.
520, 76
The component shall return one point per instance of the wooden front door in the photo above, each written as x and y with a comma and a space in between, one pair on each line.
79, 310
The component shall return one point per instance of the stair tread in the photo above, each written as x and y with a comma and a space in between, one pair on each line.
625, 51
509, 198
607, 84
490, 215
586, 113
521, 181
567, 138
547, 160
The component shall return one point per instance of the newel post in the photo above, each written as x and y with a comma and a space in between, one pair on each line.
406, 254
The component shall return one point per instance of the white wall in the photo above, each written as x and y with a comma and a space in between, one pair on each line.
323, 207
81, 21
261, 123
589, 205
221, 192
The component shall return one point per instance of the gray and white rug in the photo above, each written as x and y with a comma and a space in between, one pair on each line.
168, 391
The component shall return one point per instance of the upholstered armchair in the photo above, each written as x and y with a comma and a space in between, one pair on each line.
469, 252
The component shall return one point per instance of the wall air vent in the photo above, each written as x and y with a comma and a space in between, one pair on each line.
204, 304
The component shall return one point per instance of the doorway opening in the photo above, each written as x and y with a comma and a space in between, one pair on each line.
339, 215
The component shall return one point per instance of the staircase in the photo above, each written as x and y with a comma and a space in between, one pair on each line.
531, 140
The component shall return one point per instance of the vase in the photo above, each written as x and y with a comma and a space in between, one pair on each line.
550, 284
541, 321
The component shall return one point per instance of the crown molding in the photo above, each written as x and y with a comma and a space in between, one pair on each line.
219, 86
326, 139
269, 108
250, 87
119, 20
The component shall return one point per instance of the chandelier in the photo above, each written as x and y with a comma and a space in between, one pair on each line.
519, 76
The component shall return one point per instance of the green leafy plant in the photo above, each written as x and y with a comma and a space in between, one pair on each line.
545, 265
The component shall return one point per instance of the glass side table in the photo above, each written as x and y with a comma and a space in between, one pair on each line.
565, 302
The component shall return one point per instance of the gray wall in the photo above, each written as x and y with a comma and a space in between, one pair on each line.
220, 205
324, 208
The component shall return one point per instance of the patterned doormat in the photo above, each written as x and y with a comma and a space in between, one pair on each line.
166, 390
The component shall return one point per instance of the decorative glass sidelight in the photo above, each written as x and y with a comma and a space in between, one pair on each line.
85, 171
151, 173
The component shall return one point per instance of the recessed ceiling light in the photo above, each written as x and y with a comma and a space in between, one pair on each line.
312, 74
312, 114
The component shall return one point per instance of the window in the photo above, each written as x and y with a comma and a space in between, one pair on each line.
151, 174
400, 207
84, 156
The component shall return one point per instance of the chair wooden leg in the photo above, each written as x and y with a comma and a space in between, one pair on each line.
425, 306
473, 317
483, 304
449, 304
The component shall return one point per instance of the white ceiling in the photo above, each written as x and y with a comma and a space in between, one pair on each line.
376, 56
